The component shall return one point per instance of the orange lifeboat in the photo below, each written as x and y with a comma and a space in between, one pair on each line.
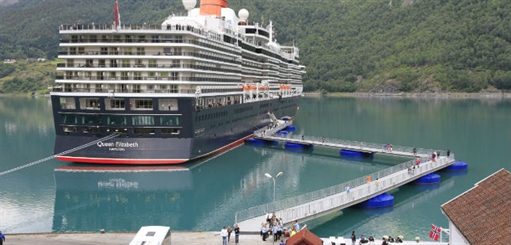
212, 7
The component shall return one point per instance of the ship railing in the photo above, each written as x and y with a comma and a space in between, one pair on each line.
233, 59
202, 43
144, 78
152, 65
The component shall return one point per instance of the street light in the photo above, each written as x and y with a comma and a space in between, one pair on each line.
276, 176
269, 176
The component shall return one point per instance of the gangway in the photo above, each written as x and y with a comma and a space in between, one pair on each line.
111, 136
358, 146
325, 201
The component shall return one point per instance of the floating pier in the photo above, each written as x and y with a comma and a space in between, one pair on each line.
361, 191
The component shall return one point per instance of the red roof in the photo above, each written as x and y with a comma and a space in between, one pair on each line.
483, 213
304, 237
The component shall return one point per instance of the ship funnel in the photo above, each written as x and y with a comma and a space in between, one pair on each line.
212, 7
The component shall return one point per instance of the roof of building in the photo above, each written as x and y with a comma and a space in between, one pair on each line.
304, 236
482, 213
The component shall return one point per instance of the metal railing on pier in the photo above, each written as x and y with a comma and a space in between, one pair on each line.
299, 207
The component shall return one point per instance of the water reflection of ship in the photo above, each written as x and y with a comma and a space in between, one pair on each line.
119, 198
143, 178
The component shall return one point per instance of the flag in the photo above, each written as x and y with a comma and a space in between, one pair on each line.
435, 232
117, 16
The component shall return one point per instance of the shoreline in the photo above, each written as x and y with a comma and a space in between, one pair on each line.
497, 95
449, 95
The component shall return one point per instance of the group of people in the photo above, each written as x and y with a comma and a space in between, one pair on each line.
275, 226
226, 234
370, 240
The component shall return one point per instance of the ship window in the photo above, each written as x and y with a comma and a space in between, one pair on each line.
67, 103
69, 119
129, 51
166, 51
69, 129
113, 63
140, 51
70, 63
156, 39
168, 104
89, 103
169, 120
152, 63
170, 131
143, 130
72, 50
114, 104
92, 130
142, 120
141, 104
116, 120
174, 76
104, 50
91, 119
81, 50
93, 38
125, 63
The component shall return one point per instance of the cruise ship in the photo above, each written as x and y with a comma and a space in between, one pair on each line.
198, 84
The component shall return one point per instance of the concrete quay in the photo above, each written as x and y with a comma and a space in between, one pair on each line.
177, 238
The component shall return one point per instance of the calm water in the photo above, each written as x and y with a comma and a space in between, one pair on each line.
205, 195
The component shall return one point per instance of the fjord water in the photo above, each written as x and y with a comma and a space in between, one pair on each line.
204, 195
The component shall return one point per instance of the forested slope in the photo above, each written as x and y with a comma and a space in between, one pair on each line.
347, 45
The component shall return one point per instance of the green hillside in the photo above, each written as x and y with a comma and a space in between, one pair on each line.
365, 45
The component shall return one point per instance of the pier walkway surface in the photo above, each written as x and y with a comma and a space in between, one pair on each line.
312, 205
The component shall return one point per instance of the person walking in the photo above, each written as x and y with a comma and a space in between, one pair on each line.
229, 231
296, 225
353, 238
236, 234
223, 233
415, 151
2, 238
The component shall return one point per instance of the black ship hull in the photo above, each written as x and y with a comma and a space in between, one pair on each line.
200, 132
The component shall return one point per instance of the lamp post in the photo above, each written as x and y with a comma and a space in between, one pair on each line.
271, 177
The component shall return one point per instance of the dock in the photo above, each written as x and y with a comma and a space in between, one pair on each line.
312, 205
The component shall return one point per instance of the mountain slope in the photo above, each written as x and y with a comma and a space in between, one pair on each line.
365, 45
